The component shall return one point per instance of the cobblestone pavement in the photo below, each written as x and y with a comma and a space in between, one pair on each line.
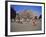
17, 27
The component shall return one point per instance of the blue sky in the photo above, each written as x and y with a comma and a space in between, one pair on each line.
37, 9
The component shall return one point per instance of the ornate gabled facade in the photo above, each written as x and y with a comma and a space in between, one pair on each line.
26, 15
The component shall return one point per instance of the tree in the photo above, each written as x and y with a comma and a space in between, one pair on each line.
13, 14
40, 16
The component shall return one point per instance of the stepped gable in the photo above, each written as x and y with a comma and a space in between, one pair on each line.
25, 13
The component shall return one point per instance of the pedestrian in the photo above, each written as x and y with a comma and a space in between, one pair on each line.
34, 21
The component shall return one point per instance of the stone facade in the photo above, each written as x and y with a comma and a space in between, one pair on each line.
25, 16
